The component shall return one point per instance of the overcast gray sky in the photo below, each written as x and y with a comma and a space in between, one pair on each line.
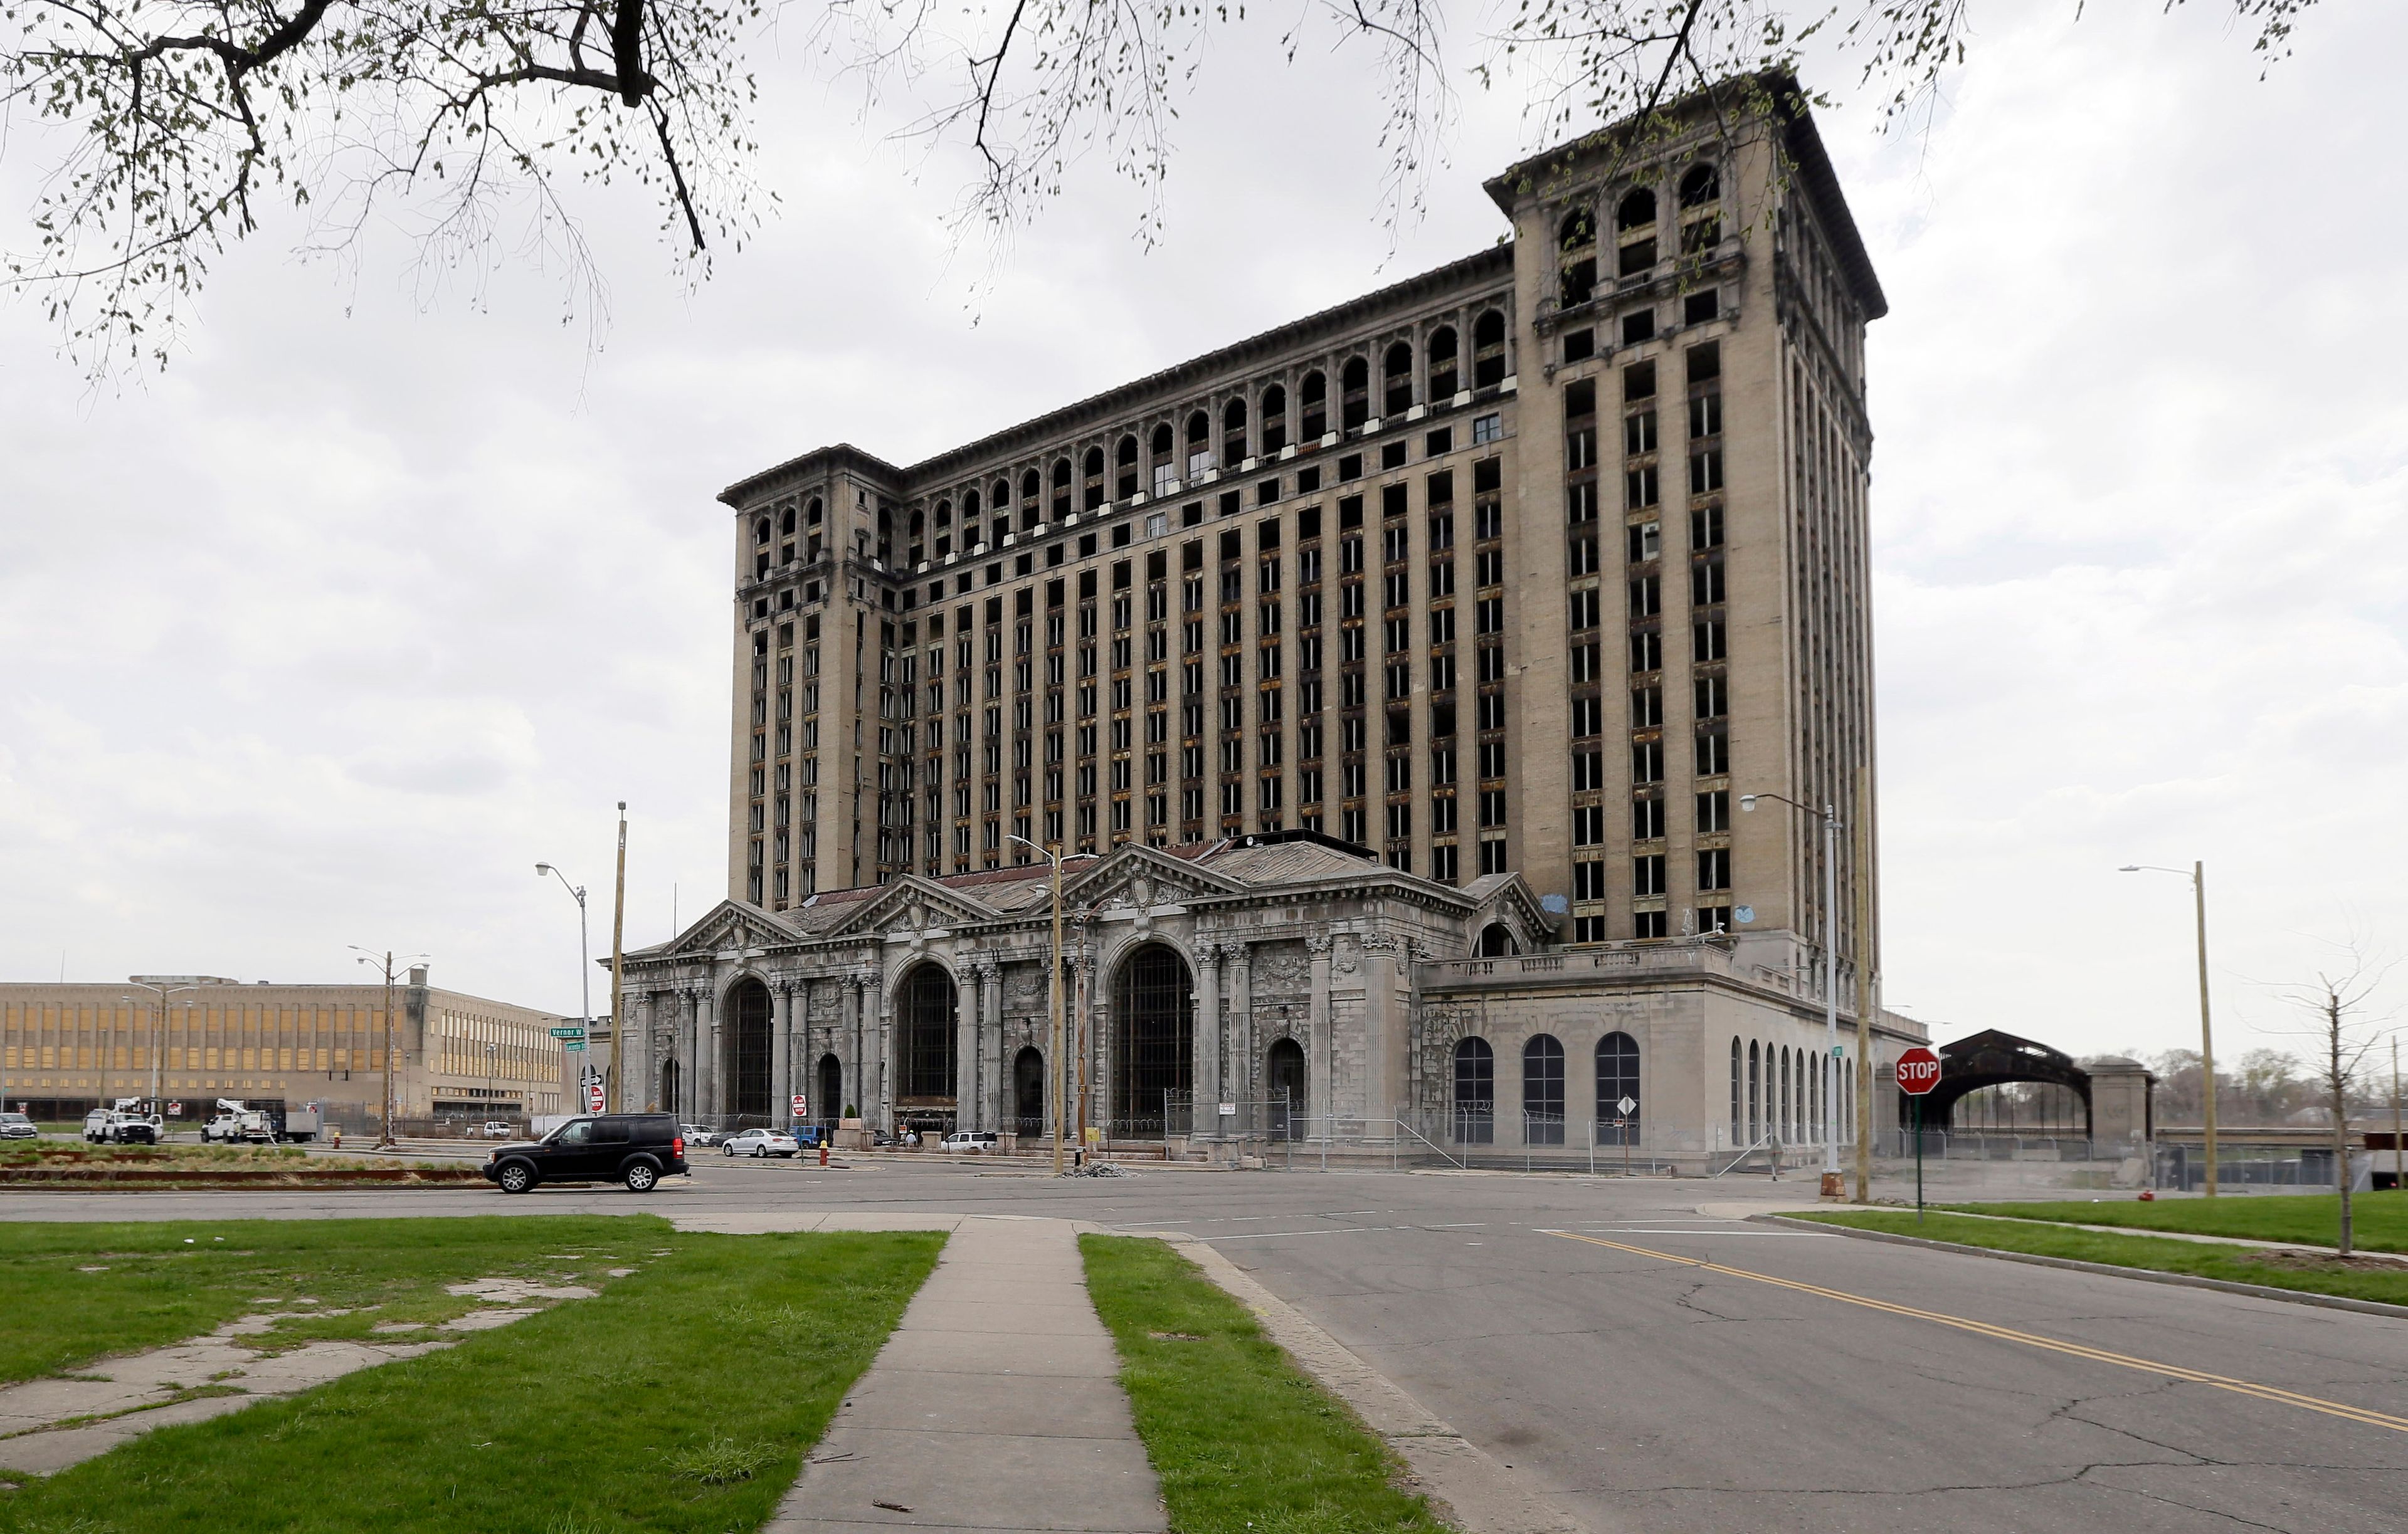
383, 594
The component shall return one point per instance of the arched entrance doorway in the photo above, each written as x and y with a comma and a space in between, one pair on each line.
827, 1090
747, 1091
1154, 1038
924, 1050
1495, 941
1283, 1072
670, 1102
1028, 1091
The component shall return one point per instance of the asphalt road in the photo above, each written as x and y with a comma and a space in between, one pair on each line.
1802, 1382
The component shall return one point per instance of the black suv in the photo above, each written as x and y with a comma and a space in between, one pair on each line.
637, 1149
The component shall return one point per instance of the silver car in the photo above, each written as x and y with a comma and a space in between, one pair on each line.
759, 1143
15, 1126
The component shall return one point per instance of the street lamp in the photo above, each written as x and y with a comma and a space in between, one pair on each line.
385, 963
1053, 995
2198, 878
1830, 976
158, 1031
584, 979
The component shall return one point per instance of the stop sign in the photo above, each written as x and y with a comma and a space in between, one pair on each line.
1918, 1071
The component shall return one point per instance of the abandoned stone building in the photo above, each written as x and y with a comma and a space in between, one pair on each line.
1394, 777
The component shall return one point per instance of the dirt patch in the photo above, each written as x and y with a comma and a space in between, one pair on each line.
2319, 1262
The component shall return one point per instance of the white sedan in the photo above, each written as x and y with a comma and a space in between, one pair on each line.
761, 1142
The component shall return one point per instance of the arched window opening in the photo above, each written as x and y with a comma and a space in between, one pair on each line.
1233, 432
1785, 1122
1200, 443
1125, 485
1313, 403
1635, 231
1488, 349
1755, 1092
1061, 489
1497, 942
924, 1073
748, 1008
1396, 373
1028, 1091
813, 512
1738, 1117
1699, 186
1162, 440
1284, 1074
999, 496
669, 1103
1093, 489
969, 503
885, 535
1475, 1092
828, 1106
1442, 364
1617, 1082
1355, 392
1542, 1092
1274, 420
1153, 1039
786, 523
761, 532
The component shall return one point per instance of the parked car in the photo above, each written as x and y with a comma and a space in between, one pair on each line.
760, 1143
812, 1136
700, 1134
15, 1126
496, 1128
637, 1149
971, 1141
119, 1127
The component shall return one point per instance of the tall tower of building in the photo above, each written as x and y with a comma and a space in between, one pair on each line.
1536, 563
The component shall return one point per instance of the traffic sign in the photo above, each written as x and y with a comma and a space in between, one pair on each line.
175, 1110
593, 1097
802, 1106
573, 1046
568, 1033
1918, 1071
1625, 1106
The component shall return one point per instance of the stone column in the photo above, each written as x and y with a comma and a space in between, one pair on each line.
1384, 1039
848, 1022
1204, 1111
884, 1086
781, 1055
966, 1003
991, 1049
1321, 1065
1237, 1038
705, 1049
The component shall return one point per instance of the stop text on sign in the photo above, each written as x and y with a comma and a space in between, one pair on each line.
1918, 1071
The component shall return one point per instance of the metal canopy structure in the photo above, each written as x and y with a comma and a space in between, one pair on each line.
1995, 1058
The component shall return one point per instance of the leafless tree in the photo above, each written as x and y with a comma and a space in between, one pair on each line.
179, 125
2344, 1035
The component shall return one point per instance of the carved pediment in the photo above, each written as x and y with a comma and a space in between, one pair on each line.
913, 904
731, 924
1140, 878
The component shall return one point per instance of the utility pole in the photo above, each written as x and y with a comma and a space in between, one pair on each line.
158, 1036
1830, 970
2399, 1167
2198, 876
385, 961
619, 1087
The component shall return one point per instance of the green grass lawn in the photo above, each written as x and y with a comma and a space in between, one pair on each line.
2364, 1279
680, 1400
2379, 1220
1238, 1436
73, 1292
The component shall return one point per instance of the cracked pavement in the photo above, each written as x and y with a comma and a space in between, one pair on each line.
1645, 1395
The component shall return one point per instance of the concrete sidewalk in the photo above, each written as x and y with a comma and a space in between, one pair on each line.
993, 1406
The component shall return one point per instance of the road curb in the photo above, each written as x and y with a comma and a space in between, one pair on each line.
2146, 1275
1474, 1491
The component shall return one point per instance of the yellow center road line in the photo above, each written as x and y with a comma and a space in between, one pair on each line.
2008, 1334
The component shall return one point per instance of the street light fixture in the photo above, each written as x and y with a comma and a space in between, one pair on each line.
1830, 977
1053, 997
585, 967
386, 963
158, 1032
2198, 878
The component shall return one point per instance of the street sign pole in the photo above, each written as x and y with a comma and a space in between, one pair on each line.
1918, 1161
